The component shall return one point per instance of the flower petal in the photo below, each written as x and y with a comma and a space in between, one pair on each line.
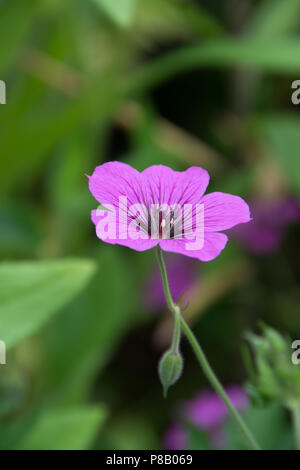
214, 243
114, 179
166, 186
223, 211
139, 244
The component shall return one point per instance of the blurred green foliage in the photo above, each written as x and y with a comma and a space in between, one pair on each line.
177, 82
277, 378
32, 292
120, 11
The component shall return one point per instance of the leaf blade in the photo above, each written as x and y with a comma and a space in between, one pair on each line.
63, 429
31, 292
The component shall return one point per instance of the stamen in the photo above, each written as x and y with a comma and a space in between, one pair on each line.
161, 220
172, 224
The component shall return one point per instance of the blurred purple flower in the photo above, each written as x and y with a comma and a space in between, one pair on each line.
182, 275
208, 412
265, 232
175, 437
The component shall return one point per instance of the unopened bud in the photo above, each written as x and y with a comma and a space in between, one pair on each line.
170, 369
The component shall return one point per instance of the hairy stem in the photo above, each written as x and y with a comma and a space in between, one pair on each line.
208, 371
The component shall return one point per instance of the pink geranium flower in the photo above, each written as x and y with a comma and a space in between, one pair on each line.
146, 208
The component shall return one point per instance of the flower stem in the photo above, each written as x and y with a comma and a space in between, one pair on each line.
175, 309
177, 330
208, 371
296, 423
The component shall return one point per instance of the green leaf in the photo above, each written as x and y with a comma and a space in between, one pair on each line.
16, 18
120, 11
95, 323
273, 18
281, 135
267, 55
164, 19
64, 429
31, 292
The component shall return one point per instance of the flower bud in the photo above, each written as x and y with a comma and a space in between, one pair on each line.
170, 369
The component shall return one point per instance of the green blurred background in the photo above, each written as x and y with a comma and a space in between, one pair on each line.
177, 82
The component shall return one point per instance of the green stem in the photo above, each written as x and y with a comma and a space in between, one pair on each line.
177, 330
172, 306
296, 423
208, 371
